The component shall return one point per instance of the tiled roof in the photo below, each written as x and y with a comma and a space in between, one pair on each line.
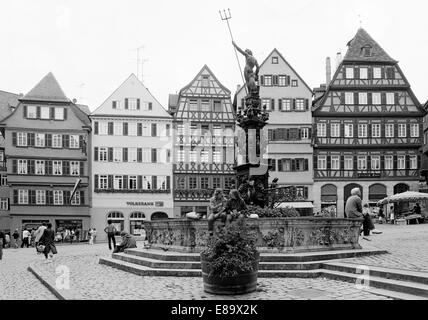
7, 102
363, 39
84, 108
48, 89
173, 102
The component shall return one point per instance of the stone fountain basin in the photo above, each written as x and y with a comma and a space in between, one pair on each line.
274, 235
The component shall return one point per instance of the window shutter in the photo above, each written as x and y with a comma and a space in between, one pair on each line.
369, 98
315, 162
125, 128
369, 163
273, 104
31, 139
38, 112
125, 154
382, 73
110, 128
138, 104
328, 162
355, 162
395, 162
140, 182
262, 80
356, 98
310, 133
25, 111
65, 113
110, 154
14, 166
139, 129
52, 113
307, 104
154, 182
357, 73
82, 143
14, 139
82, 197
114, 106
286, 134
125, 182
49, 167
294, 104
370, 73
383, 98
288, 81
82, 168
407, 162
168, 130
280, 165
306, 165
154, 155
150, 106
154, 130
110, 181
65, 141
168, 183
66, 197
48, 140
15, 196
96, 127
66, 168
126, 103
342, 98
293, 165
31, 167
397, 98
139, 155
49, 197
96, 177
273, 164
279, 104
382, 162
275, 80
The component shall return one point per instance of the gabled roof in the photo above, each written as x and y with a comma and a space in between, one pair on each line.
8, 101
207, 69
363, 39
84, 108
48, 89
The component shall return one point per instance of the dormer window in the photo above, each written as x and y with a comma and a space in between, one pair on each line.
274, 60
366, 51
205, 81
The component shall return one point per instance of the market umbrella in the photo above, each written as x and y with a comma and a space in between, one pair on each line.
404, 196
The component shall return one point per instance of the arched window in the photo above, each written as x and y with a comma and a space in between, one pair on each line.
118, 220
401, 187
377, 192
136, 223
329, 198
159, 216
116, 215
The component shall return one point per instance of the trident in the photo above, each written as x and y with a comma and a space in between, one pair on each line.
227, 16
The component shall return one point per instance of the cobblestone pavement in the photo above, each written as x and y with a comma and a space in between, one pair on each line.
407, 247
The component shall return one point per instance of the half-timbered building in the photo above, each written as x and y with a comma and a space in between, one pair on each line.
204, 150
368, 129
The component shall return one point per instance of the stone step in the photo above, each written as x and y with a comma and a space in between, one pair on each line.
386, 273
406, 287
163, 264
264, 257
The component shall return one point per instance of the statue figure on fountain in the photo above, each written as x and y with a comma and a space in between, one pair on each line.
249, 74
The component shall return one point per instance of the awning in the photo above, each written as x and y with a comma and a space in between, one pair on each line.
296, 205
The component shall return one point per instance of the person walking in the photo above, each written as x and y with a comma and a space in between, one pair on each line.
91, 239
25, 238
39, 232
7, 239
111, 231
48, 241
94, 235
15, 237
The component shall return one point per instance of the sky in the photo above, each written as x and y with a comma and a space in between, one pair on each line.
91, 45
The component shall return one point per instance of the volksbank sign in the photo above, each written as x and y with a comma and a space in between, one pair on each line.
145, 203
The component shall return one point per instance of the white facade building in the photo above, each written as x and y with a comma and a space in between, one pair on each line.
132, 160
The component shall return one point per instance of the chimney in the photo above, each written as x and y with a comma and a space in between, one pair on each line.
328, 70
338, 59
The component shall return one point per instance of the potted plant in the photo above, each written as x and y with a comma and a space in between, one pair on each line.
230, 261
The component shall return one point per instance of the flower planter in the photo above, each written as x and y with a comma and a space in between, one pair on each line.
239, 284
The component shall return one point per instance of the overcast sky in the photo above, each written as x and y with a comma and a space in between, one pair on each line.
90, 45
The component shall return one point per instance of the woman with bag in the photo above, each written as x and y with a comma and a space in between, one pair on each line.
47, 243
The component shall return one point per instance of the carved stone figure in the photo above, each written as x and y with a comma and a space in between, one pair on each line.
249, 74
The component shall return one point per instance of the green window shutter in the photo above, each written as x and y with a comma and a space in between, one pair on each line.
31, 167
48, 138
154, 155
110, 154
262, 80
168, 183
52, 113
65, 113
96, 178
66, 168
280, 165
307, 104
125, 182
138, 104
139, 155
306, 165
140, 182
110, 181
154, 130
81, 168
65, 141
279, 104
110, 128
96, 127
14, 166
126, 103
273, 105
125, 128
38, 112
150, 106
25, 111
14, 139
114, 106
315, 162
82, 197
15, 196
139, 129
125, 154
154, 182
49, 167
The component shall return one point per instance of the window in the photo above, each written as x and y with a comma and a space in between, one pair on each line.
216, 182
335, 130
362, 98
161, 182
274, 60
304, 133
117, 104
103, 128
389, 130
389, 163
321, 130
146, 130
75, 201
57, 141
193, 105
22, 139
4, 203
132, 129
132, 155
349, 130
147, 182
57, 168
22, 196
286, 104
118, 128
362, 163
375, 163
294, 83
102, 155
348, 163
390, 98
362, 131
376, 98
376, 130
22, 166
3, 180
75, 168
367, 51
45, 113
40, 140
414, 130
58, 197
335, 163
59, 113
401, 162
117, 155
268, 80
402, 130
132, 182
349, 98
32, 112
205, 105
377, 73
282, 81
300, 104
349, 73
205, 156
40, 167
40, 197
363, 73
217, 157
180, 155
192, 183
103, 182
266, 103
193, 156
205, 183
205, 81
413, 162
218, 106
74, 141
132, 104
146, 106
322, 162
118, 182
